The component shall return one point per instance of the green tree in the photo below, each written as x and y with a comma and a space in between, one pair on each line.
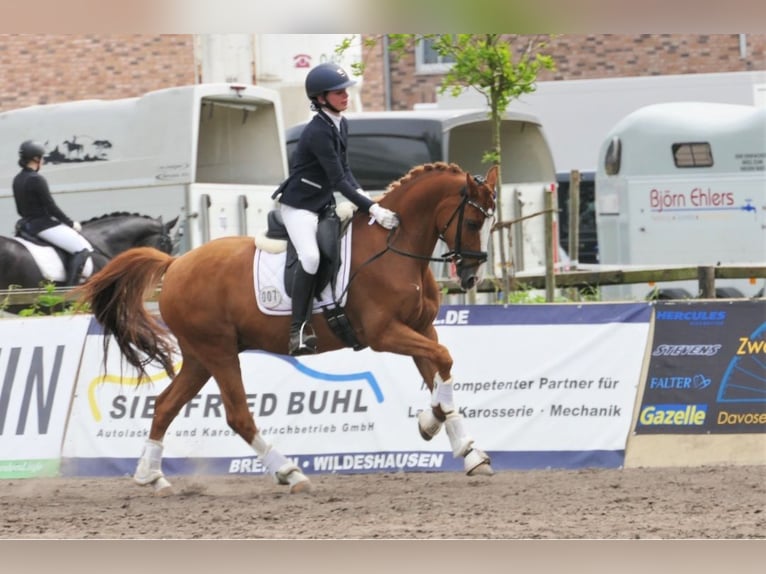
501, 67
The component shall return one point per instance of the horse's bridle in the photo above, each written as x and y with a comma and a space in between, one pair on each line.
456, 254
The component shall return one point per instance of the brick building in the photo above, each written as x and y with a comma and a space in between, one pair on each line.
41, 69
53, 68
581, 57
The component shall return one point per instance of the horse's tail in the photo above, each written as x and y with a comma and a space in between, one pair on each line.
116, 297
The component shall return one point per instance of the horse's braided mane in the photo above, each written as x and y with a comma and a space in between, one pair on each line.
117, 214
419, 170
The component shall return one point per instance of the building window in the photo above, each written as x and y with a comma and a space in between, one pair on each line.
695, 154
428, 60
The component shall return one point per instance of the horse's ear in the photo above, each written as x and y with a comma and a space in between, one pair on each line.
170, 224
470, 184
491, 177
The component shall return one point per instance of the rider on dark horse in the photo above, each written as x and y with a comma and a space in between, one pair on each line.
318, 168
42, 218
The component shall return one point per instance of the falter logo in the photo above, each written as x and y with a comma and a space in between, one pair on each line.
697, 382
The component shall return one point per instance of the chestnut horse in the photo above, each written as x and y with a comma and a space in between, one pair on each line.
208, 304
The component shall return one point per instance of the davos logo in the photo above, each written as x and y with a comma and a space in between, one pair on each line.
695, 383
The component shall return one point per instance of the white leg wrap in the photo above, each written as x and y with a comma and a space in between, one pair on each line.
428, 424
442, 394
460, 441
260, 446
276, 464
149, 467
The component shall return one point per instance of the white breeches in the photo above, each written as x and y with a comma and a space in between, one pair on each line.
302, 227
70, 241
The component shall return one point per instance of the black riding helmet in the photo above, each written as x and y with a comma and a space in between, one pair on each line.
29, 150
326, 78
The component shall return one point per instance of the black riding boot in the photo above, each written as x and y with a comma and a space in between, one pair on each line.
76, 265
303, 341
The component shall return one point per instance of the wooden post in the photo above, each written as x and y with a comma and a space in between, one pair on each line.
706, 277
550, 275
574, 219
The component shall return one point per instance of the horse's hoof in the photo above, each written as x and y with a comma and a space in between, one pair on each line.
484, 469
477, 463
162, 487
294, 478
302, 487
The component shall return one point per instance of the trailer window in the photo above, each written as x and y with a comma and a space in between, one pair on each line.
378, 160
695, 154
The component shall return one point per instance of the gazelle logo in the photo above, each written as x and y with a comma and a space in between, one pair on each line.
673, 415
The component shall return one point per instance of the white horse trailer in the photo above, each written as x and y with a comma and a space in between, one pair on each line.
684, 184
209, 153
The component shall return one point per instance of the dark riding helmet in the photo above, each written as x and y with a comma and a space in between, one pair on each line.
29, 150
326, 78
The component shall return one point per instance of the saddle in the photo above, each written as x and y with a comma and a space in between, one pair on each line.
73, 262
329, 233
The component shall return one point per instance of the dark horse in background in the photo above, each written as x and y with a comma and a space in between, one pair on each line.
208, 303
109, 235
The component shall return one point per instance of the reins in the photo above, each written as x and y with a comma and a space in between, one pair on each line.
456, 254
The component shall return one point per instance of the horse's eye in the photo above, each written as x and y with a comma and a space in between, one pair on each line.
473, 224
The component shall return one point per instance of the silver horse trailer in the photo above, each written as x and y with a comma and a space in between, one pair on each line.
210, 153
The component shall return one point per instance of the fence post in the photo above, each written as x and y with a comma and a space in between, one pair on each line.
574, 219
550, 239
706, 278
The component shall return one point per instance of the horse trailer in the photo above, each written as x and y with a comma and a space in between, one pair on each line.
384, 146
683, 184
209, 153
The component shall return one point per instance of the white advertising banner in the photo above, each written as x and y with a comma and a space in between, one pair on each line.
538, 386
39, 358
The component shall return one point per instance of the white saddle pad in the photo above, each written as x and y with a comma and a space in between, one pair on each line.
268, 275
47, 260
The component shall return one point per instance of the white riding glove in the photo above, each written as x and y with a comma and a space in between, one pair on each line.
383, 217
77, 226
